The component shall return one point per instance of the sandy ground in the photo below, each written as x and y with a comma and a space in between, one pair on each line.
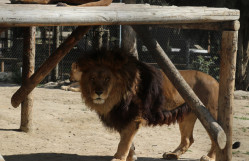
65, 130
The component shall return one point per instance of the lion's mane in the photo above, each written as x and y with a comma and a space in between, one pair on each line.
137, 92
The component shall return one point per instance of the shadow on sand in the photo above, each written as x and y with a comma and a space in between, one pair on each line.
69, 157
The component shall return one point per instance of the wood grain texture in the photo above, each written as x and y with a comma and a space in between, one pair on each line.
115, 14
28, 70
227, 81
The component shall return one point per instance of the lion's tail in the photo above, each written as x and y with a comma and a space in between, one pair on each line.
175, 115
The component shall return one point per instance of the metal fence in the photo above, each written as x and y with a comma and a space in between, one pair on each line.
188, 49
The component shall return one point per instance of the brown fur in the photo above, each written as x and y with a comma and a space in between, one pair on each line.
127, 93
82, 3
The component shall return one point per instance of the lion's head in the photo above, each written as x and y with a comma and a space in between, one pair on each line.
75, 74
106, 78
100, 81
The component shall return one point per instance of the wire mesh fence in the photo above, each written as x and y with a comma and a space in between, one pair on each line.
188, 49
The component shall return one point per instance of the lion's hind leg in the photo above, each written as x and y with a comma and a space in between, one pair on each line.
211, 154
186, 129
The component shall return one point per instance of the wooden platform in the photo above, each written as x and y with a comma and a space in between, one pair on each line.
115, 14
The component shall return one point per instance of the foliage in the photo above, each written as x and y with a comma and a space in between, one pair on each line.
206, 65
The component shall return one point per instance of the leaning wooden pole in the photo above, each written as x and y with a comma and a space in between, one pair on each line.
1, 158
27, 70
183, 88
48, 65
227, 81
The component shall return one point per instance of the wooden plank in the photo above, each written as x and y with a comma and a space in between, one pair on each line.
2, 66
219, 26
227, 81
115, 14
28, 70
207, 120
48, 65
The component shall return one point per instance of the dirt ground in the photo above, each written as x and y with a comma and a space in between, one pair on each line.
65, 130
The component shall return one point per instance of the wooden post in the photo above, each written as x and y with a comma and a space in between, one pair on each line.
2, 66
56, 44
27, 71
227, 81
207, 120
48, 65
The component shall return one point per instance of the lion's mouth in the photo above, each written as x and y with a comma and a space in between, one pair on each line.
98, 101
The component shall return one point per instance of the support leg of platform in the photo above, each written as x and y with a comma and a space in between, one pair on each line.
48, 65
227, 81
27, 71
207, 120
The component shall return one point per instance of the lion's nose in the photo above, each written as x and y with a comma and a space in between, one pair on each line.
98, 92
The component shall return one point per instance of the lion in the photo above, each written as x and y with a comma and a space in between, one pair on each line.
128, 94
75, 75
74, 87
81, 3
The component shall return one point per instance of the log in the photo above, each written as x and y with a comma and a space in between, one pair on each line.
207, 120
56, 42
115, 14
227, 81
48, 65
28, 70
218, 26
2, 66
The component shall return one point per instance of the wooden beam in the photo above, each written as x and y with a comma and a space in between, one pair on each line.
219, 26
27, 71
227, 81
48, 65
183, 88
114, 14
2, 66
56, 44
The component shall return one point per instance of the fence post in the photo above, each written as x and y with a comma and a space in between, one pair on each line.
227, 81
28, 70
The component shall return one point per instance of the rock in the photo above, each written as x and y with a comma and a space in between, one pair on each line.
5, 76
241, 95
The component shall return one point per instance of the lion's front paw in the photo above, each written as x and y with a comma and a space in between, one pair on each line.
66, 88
206, 158
131, 158
170, 156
